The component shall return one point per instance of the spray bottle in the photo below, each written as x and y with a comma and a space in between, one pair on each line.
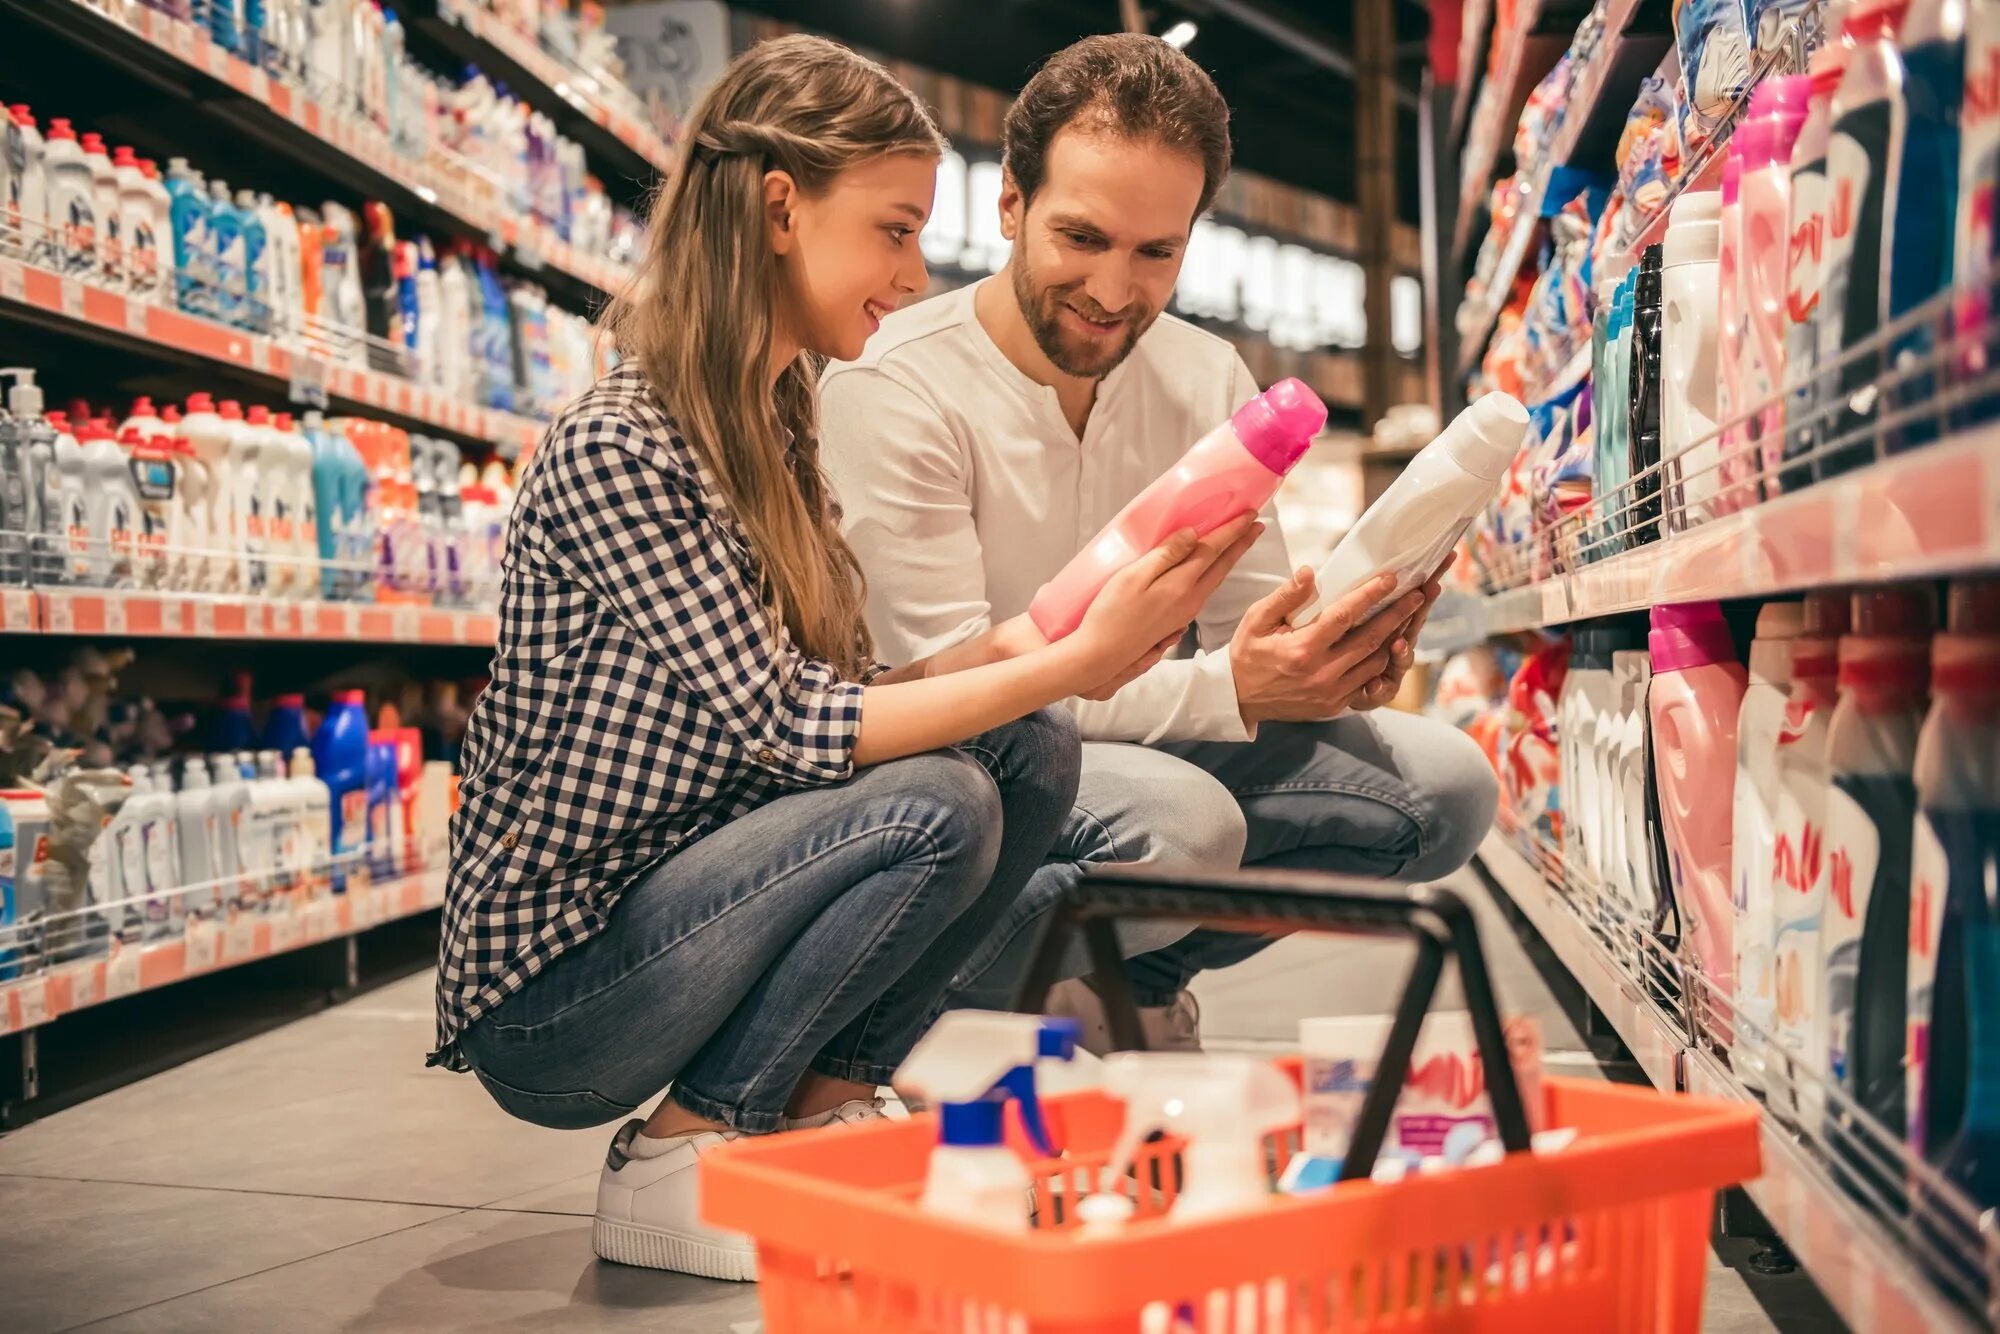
1222, 1105
968, 1066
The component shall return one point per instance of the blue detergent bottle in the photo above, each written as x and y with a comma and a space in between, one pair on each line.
383, 858
226, 247
340, 760
285, 726
9, 877
187, 216
334, 519
1953, 1050
233, 728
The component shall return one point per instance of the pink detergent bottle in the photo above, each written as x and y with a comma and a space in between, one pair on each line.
1234, 469
1696, 696
1777, 113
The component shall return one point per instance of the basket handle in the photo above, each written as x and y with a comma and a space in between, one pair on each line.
1438, 920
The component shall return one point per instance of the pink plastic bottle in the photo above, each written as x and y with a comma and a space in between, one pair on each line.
1696, 695
1777, 112
1234, 469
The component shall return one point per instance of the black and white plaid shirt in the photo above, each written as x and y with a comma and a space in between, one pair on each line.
642, 695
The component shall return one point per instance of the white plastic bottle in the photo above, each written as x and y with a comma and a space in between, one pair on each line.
229, 798
113, 507
123, 881
1412, 525
208, 436
155, 479
1631, 759
313, 812
249, 452
110, 270
72, 499
1689, 366
72, 201
200, 839
1755, 831
272, 829
302, 505
1799, 870
24, 207
140, 229
160, 221
1221, 1105
159, 836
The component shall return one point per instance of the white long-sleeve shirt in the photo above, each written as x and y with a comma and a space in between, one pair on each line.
964, 490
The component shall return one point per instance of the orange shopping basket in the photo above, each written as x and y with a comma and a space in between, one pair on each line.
1607, 1236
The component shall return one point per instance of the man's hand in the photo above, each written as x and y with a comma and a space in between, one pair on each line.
1402, 649
1315, 671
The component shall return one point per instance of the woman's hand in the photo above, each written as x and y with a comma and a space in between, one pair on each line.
1146, 607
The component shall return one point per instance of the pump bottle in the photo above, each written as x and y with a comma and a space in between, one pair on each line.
1221, 1105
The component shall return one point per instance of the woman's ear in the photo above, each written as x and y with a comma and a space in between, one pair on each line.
781, 196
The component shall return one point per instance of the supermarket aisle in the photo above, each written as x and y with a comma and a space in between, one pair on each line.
319, 1178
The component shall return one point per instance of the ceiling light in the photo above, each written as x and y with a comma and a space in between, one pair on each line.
1180, 34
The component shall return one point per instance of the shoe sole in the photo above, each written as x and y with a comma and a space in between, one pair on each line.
652, 1248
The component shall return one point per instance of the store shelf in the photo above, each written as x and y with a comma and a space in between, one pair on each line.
1930, 512
1867, 1272
210, 945
441, 192
145, 615
606, 121
71, 305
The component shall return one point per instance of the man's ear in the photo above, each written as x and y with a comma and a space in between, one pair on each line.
1013, 206
781, 194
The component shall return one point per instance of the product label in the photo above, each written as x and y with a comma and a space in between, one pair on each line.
1979, 173
1853, 847
1798, 877
1930, 879
1805, 263
161, 867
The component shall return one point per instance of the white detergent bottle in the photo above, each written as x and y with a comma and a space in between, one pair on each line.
1588, 658
200, 839
1412, 525
208, 436
1689, 366
1222, 1105
302, 508
968, 1066
249, 453
110, 270
159, 835
1798, 866
139, 232
229, 798
1632, 763
72, 202
114, 508
24, 207
1754, 825
313, 807
73, 501
193, 507
156, 479
273, 819
159, 220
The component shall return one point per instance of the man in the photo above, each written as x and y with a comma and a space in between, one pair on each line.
986, 435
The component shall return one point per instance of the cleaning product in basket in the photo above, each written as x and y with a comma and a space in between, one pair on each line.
1222, 1106
1926, 204
1864, 151
1691, 326
1753, 829
1234, 469
1777, 114
968, 1066
1696, 694
1805, 425
1413, 525
1798, 869
1953, 921
1871, 747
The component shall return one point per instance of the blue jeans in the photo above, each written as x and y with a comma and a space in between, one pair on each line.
1382, 794
818, 932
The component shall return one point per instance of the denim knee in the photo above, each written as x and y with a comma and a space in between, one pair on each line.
1044, 751
954, 814
1462, 794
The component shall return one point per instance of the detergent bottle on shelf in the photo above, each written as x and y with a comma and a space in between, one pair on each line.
202, 866
1691, 327
1863, 155
385, 850
72, 202
110, 269
1732, 329
1777, 115
254, 313
285, 724
1221, 1105
157, 521
1753, 833
72, 501
28, 438
114, 505
229, 255
340, 757
208, 438
254, 459
332, 522
312, 816
1647, 389
1871, 748
24, 203
1234, 469
1413, 525
192, 249
1954, 921
968, 1066
1978, 181
229, 796
1696, 694
1805, 424
139, 230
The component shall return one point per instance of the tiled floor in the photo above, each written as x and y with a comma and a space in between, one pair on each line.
319, 1178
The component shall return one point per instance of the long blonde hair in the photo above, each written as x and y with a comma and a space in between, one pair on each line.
699, 314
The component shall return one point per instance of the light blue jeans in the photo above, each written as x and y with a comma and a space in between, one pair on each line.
820, 932
1384, 794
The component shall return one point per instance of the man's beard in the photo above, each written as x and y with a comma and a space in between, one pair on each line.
1042, 308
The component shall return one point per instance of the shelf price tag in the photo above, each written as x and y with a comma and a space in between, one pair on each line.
62, 615
114, 615
6, 1011
17, 606
405, 625
308, 383
13, 282
83, 986
204, 619
72, 298
239, 940
34, 1002
322, 919
173, 616
121, 973
288, 932
203, 945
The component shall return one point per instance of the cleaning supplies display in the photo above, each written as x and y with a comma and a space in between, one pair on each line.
1234, 469
1695, 697
1753, 826
1413, 525
969, 1065
1691, 331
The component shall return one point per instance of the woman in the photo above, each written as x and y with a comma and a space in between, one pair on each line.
705, 840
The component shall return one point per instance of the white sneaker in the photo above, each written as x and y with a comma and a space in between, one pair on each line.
1172, 1027
854, 1112
649, 1210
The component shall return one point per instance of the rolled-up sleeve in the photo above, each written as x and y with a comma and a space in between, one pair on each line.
637, 533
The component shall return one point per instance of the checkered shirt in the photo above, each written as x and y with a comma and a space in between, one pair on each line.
642, 695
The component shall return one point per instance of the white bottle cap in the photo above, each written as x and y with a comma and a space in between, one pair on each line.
1694, 230
1485, 437
1781, 620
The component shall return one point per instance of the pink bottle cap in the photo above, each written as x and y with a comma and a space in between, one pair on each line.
1692, 634
1279, 424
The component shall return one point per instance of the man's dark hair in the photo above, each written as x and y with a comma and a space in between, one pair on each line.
1127, 84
